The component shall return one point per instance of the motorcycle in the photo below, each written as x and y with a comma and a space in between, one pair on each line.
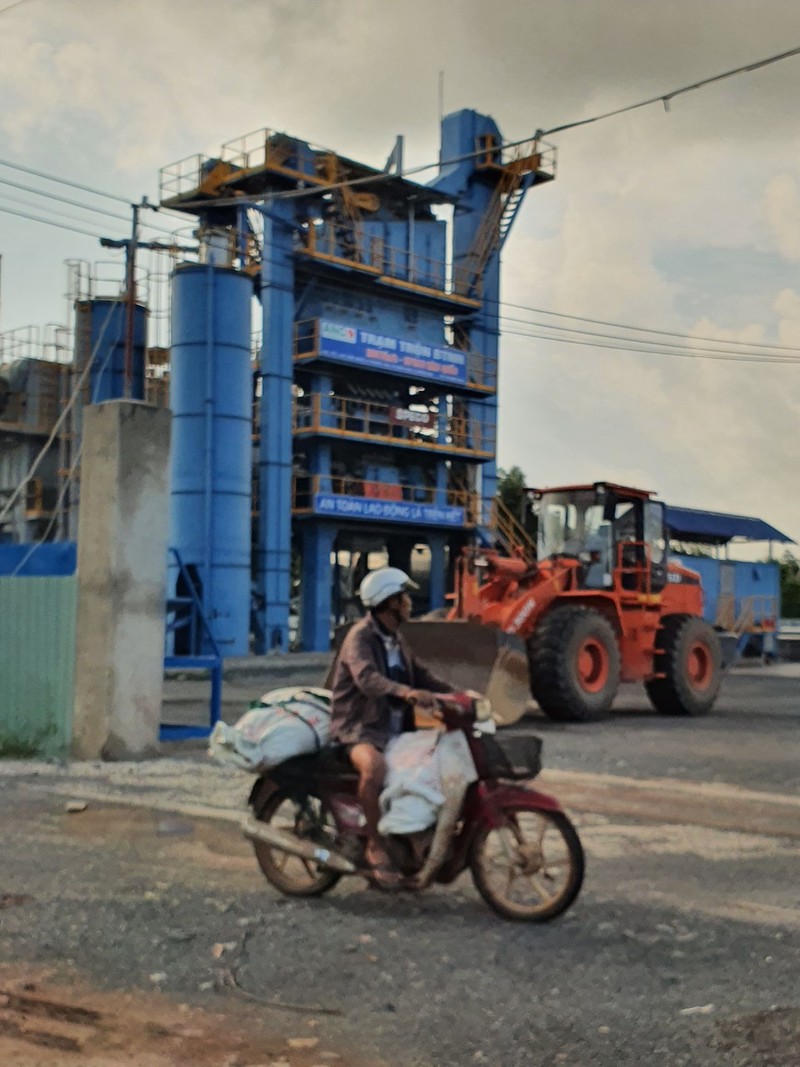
526, 859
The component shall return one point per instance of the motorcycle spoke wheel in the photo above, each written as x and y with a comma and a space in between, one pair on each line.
531, 867
306, 818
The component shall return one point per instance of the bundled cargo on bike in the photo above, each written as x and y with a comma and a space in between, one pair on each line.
285, 723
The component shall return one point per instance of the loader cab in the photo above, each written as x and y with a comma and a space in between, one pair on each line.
616, 535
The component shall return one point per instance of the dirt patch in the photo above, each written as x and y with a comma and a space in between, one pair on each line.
767, 1038
178, 840
45, 1022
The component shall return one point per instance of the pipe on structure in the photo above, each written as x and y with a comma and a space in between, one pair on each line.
273, 553
211, 401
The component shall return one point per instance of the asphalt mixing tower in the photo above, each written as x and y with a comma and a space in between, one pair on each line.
373, 401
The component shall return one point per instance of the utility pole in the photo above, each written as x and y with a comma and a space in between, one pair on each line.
130, 297
131, 245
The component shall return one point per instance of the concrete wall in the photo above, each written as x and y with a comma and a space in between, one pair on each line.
122, 565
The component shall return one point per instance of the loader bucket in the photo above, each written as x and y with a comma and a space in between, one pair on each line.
470, 656
478, 657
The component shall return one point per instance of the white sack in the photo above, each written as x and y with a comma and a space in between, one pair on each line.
289, 722
423, 768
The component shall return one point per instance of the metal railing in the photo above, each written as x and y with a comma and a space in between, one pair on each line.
259, 150
539, 156
52, 343
349, 417
342, 243
267, 149
508, 532
305, 488
183, 176
481, 370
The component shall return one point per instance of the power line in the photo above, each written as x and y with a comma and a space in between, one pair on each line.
50, 222
62, 199
63, 181
654, 345
639, 329
665, 98
88, 189
80, 204
732, 357
60, 214
8, 7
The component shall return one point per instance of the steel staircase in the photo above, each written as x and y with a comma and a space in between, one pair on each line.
497, 219
500, 529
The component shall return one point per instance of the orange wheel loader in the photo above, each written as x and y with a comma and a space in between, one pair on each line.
599, 604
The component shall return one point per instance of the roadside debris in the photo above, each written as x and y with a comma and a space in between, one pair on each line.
12, 900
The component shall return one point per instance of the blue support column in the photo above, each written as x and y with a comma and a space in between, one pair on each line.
275, 452
315, 590
438, 577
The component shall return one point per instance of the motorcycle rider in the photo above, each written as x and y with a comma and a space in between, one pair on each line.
377, 683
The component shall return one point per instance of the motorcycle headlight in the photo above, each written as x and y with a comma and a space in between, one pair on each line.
483, 709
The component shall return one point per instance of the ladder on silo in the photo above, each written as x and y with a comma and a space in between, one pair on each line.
187, 612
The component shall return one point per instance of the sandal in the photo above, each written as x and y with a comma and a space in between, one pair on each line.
381, 873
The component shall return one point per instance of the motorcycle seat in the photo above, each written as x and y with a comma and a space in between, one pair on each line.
331, 761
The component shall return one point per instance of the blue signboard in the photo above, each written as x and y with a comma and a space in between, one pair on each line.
365, 348
355, 507
50, 558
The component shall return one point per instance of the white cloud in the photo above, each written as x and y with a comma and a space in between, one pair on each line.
782, 212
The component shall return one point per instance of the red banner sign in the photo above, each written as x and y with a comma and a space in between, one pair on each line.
406, 417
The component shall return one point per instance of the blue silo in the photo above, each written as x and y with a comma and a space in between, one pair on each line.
101, 334
211, 401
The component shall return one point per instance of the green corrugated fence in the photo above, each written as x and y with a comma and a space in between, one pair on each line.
37, 656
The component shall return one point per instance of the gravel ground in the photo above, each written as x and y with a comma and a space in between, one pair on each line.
683, 949
662, 960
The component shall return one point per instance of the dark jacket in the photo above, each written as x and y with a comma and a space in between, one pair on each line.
362, 690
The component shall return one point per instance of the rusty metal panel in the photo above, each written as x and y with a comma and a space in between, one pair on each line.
37, 658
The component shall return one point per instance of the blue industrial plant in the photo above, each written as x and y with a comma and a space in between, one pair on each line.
374, 398
333, 376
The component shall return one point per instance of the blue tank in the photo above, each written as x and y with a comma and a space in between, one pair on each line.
101, 336
211, 401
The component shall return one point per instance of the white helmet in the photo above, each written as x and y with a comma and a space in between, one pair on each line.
381, 584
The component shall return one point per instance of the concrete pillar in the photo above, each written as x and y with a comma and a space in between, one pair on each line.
122, 573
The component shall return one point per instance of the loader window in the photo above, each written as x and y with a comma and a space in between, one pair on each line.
558, 529
566, 523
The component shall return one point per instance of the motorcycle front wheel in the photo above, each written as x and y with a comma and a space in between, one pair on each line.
531, 867
306, 818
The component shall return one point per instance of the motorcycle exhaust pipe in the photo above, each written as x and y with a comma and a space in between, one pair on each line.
254, 830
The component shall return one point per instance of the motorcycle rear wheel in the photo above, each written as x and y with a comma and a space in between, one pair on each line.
531, 868
305, 818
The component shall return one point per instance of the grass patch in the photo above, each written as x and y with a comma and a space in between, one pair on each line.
26, 747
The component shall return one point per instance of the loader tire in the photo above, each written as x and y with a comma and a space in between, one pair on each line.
574, 664
689, 660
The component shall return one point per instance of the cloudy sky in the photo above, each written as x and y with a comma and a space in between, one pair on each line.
686, 221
